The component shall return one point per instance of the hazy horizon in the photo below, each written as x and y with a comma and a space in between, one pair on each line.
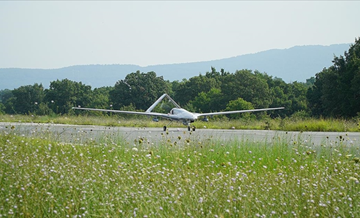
57, 34
109, 64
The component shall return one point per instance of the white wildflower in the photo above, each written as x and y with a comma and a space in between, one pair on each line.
201, 200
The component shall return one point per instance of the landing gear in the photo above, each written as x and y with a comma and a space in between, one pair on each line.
191, 128
165, 127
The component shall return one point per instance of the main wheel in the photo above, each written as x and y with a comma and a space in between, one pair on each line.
193, 128
189, 128
164, 128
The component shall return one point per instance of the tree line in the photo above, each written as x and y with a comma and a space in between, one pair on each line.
333, 92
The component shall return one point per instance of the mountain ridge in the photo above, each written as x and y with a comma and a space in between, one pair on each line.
297, 63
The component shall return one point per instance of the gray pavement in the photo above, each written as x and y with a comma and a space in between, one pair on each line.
85, 133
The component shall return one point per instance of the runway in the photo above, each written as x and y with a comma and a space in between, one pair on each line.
85, 133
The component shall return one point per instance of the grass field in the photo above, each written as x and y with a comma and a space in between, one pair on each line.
177, 178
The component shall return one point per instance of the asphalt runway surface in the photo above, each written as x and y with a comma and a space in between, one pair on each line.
85, 133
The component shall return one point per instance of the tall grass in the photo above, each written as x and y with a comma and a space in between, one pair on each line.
181, 177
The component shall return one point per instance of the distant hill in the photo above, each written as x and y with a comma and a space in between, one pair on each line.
294, 64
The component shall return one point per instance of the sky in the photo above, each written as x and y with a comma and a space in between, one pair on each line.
56, 34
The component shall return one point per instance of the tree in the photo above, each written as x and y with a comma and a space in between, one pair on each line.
5, 95
2, 108
209, 101
336, 89
297, 97
189, 89
279, 94
239, 104
310, 82
248, 86
100, 98
139, 89
7, 106
26, 99
65, 94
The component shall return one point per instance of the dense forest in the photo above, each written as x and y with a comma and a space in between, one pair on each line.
333, 92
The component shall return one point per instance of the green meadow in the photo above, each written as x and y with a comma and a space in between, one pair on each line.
177, 177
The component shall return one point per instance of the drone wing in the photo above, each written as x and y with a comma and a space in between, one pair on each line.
240, 111
125, 112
